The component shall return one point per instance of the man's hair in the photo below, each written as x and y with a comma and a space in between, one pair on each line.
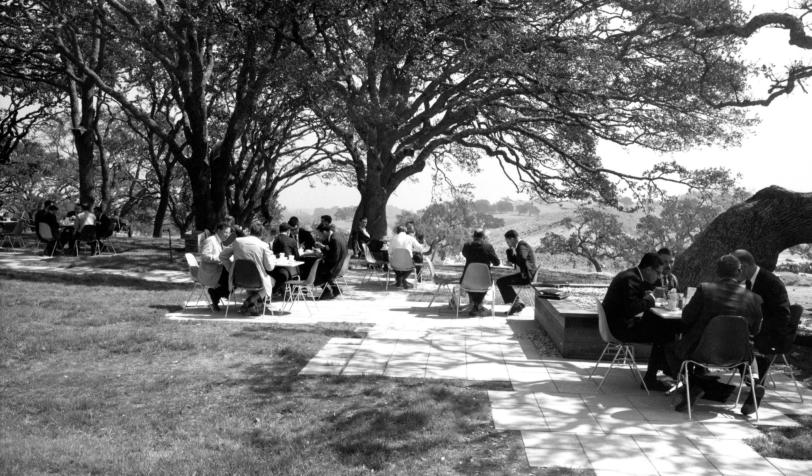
650, 260
97, 210
293, 222
48, 203
479, 234
728, 266
53, 207
284, 228
222, 225
324, 227
745, 257
664, 251
327, 218
400, 229
256, 229
511, 234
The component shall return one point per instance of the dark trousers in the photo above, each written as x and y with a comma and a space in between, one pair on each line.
506, 283
221, 291
280, 275
476, 298
400, 276
658, 332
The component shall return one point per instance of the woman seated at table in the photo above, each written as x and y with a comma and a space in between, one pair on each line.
285, 245
478, 251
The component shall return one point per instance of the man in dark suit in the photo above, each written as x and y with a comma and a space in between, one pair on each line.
478, 251
304, 239
628, 298
520, 254
286, 245
334, 252
722, 297
775, 309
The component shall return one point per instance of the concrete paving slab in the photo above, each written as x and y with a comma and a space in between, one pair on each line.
792, 467
674, 455
616, 453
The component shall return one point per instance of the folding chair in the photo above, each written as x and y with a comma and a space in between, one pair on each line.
616, 345
399, 260
344, 268
724, 344
246, 275
477, 279
440, 281
194, 267
104, 241
525, 293
13, 234
46, 236
795, 312
87, 235
301, 289
374, 266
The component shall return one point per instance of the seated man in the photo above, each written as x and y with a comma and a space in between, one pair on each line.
49, 220
304, 239
252, 248
478, 251
83, 218
520, 254
334, 251
403, 241
212, 273
628, 298
286, 245
775, 311
722, 297
360, 236
667, 280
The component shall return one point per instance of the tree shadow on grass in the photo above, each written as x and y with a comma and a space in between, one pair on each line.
259, 331
95, 280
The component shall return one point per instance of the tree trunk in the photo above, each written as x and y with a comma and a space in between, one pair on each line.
373, 207
83, 141
595, 263
766, 224
201, 197
163, 205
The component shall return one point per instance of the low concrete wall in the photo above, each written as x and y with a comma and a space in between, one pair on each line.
574, 331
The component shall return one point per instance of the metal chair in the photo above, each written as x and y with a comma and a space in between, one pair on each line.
13, 234
440, 281
477, 279
614, 344
194, 267
246, 275
46, 236
104, 240
724, 344
301, 289
525, 293
795, 312
374, 266
399, 260
344, 268
87, 235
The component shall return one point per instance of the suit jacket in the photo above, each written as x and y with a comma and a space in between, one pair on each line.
624, 300
305, 239
210, 265
524, 258
334, 253
775, 309
726, 297
479, 252
285, 244
253, 249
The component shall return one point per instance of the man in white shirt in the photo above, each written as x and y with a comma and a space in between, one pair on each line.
253, 249
402, 240
212, 273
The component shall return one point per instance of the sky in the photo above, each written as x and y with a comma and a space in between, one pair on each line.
777, 151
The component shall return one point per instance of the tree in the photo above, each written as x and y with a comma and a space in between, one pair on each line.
504, 206
765, 224
532, 84
597, 236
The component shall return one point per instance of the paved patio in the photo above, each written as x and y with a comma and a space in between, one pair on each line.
563, 419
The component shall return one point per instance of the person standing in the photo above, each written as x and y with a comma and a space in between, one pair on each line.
212, 272
626, 301
775, 309
520, 254
722, 297
478, 250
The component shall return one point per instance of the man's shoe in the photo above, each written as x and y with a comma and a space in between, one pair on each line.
683, 403
748, 408
473, 312
654, 385
483, 311
407, 285
326, 296
215, 301
516, 308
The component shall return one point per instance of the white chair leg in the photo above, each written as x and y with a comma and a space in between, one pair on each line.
606, 347
633, 367
614, 359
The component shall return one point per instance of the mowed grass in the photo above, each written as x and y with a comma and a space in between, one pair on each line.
97, 381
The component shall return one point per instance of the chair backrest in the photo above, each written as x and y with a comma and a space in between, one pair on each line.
368, 254
430, 265
603, 324
476, 277
192, 262
44, 232
19, 227
345, 266
246, 275
724, 342
311, 276
401, 260
88, 233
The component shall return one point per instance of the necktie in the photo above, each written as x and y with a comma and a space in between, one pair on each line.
748, 285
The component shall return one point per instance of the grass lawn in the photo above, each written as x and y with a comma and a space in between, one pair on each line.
96, 381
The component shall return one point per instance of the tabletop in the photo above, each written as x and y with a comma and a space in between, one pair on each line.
288, 262
666, 314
